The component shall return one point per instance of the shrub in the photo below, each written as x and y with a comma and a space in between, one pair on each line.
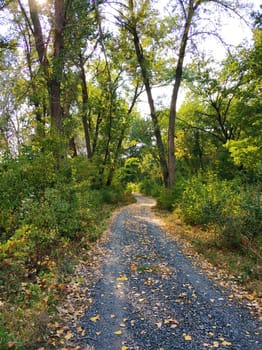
234, 211
149, 187
166, 199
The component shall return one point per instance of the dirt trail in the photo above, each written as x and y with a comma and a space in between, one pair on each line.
148, 295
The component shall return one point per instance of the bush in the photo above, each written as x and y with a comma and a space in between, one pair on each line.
166, 199
149, 187
234, 211
203, 200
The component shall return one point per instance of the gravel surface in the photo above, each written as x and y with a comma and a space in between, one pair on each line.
148, 295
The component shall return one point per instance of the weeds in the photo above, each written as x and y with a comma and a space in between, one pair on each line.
47, 220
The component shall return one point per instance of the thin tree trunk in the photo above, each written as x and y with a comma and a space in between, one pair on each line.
84, 108
173, 106
157, 132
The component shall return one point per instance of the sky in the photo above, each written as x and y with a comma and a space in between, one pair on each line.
234, 33
232, 30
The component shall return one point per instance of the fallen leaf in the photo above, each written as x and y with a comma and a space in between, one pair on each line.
215, 344
118, 332
226, 343
124, 347
112, 316
182, 295
159, 324
122, 278
95, 318
187, 337
69, 335
60, 331
122, 325
79, 329
141, 300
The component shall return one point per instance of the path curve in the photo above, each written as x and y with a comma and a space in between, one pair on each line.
148, 295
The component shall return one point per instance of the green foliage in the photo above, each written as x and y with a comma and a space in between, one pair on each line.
45, 210
229, 207
150, 187
168, 199
203, 199
131, 172
7, 341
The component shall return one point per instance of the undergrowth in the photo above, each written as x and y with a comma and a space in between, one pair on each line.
48, 219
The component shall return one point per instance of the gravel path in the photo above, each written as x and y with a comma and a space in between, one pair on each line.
148, 295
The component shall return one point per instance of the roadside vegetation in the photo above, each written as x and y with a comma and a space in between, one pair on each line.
49, 219
222, 220
74, 144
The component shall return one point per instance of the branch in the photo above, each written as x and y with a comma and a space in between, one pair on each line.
202, 129
135, 97
25, 16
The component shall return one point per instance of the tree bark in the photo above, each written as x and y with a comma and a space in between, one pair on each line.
84, 109
146, 81
192, 7
53, 79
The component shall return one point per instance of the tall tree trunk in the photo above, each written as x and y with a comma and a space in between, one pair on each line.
53, 79
146, 81
192, 7
84, 108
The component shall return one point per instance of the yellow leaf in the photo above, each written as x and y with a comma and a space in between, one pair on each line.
216, 344
187, 337
118, 332
141, 300
68, 335
112, 316
124, 348
95, 318
122, 278
226, 343
98, 333
122, 325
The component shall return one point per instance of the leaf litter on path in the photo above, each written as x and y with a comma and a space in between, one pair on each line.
141, 292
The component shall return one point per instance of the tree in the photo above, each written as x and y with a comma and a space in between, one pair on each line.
246, 150
134, 16
191, 21
140, 22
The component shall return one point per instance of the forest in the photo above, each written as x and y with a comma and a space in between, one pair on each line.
75, 141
